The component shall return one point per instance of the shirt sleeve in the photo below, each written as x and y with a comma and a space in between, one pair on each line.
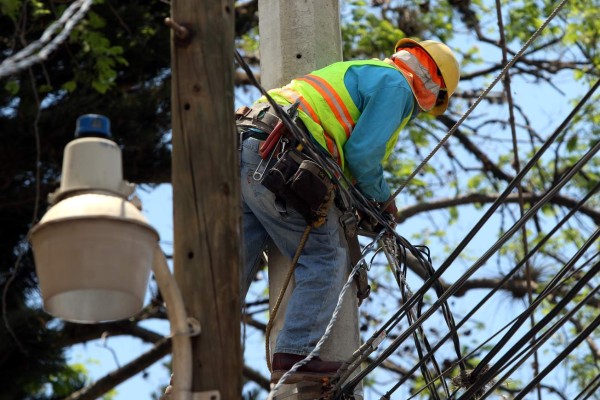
383, 109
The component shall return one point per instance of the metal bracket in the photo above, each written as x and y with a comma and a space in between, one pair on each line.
208, 395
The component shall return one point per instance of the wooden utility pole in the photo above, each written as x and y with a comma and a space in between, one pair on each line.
206, 195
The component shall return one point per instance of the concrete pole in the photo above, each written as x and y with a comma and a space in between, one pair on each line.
297, 37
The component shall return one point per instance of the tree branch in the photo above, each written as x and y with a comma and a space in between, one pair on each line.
79, 333
108, 382
480, 198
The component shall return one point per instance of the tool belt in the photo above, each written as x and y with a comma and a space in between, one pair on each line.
297, 179
302, 184
257, 116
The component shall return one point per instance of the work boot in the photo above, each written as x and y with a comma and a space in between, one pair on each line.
314, 370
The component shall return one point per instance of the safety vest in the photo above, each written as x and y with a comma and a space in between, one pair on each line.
326, 108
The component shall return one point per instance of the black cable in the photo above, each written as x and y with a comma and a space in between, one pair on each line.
524, 354
580, 338
531, 308
427, 284
493, 291
484, 377
589, 389
505, 280
455, 287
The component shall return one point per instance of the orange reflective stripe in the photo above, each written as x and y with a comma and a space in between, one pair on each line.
291, 95
334, 101
332, 147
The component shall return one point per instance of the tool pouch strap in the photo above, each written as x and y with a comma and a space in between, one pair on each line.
257, 116
362, 284
349, 224
302, 184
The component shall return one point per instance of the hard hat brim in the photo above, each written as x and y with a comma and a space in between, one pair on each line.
406, 42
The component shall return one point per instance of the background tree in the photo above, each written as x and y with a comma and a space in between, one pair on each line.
116, 62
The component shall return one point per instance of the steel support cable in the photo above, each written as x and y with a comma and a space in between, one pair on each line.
517, 166
502, 282
26, 57
525, 353
484, 377
450, 291
477, 101
580, 338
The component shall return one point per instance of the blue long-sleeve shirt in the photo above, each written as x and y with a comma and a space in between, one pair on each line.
385, 100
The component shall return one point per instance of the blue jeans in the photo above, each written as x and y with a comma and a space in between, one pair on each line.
321, 268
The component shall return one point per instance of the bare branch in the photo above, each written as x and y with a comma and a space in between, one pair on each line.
108, 382
479, 198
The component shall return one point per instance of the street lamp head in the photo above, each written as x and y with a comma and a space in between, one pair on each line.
93, 249
93, 254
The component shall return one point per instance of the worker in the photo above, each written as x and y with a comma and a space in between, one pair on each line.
355, 110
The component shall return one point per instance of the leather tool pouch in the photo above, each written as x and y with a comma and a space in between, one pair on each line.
312, 185
301, 183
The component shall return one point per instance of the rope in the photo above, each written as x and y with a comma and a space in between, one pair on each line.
288, 278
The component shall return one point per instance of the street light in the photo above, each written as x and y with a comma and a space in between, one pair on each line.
94, 249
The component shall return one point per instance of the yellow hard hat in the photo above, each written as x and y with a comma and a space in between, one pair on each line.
445, 61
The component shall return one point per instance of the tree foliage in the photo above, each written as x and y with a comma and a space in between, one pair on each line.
116, 62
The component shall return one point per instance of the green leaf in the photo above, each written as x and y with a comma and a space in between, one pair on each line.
12, 87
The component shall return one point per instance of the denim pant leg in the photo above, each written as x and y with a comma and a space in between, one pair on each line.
320, 269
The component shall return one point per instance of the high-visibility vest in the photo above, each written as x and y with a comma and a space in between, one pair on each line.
326, 108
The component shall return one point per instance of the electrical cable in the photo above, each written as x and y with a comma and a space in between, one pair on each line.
533, 347
485, 376
491, 293
590, 389
578, 339
352, 383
